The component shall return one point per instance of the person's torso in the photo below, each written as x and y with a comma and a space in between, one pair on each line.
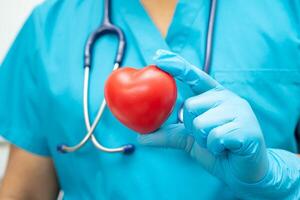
256, 54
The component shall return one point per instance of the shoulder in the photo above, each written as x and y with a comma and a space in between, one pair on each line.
52, 11
54, 19
59, 5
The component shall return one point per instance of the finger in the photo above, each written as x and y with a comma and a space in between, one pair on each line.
244, 150
179, 68
209, 120
224, 138
197, 105
172, 136
175, 136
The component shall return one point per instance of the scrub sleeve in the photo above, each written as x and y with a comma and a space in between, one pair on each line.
21, 91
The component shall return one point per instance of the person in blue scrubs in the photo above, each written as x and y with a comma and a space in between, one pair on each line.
239, 138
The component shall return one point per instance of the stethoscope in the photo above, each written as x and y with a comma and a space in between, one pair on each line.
107, 27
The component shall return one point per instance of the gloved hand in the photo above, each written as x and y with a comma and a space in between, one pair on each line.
221, 132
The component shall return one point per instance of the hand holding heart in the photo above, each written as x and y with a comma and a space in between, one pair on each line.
219, 130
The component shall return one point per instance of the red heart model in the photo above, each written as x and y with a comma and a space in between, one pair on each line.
141, 99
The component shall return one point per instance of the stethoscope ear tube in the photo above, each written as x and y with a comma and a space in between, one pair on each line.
126, 149
210, 34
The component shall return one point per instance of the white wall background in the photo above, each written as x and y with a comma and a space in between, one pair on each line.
13, 13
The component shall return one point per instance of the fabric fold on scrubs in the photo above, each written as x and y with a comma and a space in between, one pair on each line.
186, 34
21, 92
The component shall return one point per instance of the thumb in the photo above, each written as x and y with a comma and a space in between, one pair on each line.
176, 136
171, 136
179, 68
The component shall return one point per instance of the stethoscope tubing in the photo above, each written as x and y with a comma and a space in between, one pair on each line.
91, 128
108, 27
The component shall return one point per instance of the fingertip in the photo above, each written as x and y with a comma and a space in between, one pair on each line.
163, 57
169, 62
162, 52
159, 54
156, 56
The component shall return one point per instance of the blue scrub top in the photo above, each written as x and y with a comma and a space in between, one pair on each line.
256, 54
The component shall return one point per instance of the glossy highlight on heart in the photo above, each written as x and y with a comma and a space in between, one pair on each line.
142, 99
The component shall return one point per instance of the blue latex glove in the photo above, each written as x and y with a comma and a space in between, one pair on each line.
221, 132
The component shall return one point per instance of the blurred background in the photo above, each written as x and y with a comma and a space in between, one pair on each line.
13, 14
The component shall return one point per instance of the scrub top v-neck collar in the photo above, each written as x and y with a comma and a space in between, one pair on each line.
141, 25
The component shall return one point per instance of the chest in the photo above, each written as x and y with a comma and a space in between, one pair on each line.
253, 55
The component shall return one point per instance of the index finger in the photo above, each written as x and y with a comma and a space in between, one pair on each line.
179, 68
